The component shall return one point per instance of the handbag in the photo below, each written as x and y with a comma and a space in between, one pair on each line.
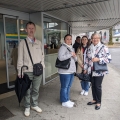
99, 67
37, 68
83, 77
63, 64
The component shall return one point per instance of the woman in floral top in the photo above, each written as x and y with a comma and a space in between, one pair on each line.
103, 57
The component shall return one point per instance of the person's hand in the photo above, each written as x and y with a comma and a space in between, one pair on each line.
20, 76
85, 71
95, 59
73, 54
81, 66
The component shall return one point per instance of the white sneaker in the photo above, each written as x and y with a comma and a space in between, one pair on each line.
71, 102
67, 104
86, 93
82, 92
37, 109
27, 112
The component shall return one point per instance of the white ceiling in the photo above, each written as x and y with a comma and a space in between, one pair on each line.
82, 15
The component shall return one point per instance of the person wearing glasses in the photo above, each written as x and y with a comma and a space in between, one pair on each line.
96, 79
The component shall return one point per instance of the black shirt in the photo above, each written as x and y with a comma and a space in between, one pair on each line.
76, 45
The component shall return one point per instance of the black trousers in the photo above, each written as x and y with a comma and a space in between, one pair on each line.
97, 88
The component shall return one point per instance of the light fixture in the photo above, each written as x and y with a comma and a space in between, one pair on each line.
21, 26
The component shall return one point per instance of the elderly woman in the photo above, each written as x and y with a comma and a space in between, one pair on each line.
103, 57
66, 75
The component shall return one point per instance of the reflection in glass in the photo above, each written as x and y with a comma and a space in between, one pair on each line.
11, 47
8, 48
54, 32
2, 53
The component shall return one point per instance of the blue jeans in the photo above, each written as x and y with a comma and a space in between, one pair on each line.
85, 85
66, 82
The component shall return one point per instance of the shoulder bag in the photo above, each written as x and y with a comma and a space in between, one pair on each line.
63, 64
82, 76
99, 67
37, 68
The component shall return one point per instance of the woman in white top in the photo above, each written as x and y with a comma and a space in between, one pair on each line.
66, 75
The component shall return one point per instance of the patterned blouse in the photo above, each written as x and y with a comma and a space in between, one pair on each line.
103, 55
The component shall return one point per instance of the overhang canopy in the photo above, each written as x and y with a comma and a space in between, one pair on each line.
82, 15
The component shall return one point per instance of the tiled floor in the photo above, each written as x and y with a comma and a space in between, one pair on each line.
52, 109
5, 113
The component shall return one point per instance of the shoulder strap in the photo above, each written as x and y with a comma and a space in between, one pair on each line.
100, 50
28, 51
66, 47
68, 50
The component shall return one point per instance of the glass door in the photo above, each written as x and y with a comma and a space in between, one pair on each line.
2, 57
11, 34
54, 32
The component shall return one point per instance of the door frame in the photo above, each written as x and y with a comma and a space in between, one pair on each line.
18, 32
69, 31
1, 47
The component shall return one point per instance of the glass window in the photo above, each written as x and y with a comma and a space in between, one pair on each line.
54, 32
22, 24
2, 55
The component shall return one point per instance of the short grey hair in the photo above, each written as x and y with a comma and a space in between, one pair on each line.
95, 34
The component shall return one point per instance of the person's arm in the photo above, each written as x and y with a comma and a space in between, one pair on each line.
20, 57
106, 56
75, 58
62, 54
